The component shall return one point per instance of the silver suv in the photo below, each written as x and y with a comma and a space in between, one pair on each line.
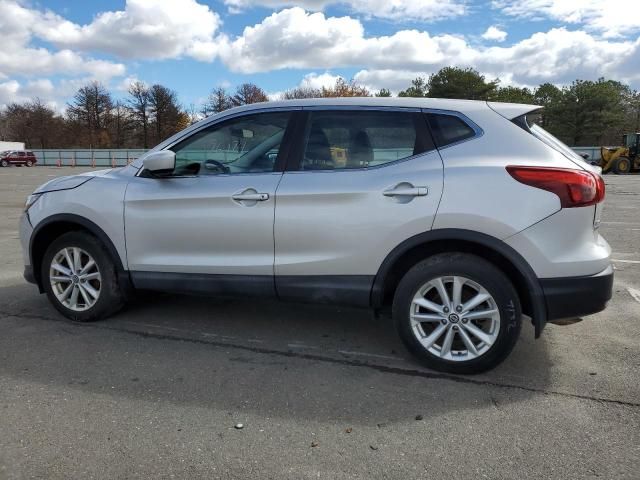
459, 216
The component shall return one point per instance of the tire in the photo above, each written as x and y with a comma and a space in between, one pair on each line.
622, 166
4, 163
29, 163
88, 307
501, 329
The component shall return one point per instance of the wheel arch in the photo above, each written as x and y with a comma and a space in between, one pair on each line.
52, 227
424, 245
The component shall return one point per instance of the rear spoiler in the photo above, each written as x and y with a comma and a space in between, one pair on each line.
512, 110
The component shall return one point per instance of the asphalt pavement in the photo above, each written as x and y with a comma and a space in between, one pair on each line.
321, 392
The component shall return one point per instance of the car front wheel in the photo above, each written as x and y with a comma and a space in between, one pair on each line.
4, 163
80, 278
457, 313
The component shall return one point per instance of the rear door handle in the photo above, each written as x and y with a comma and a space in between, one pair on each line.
250, 197
406, 192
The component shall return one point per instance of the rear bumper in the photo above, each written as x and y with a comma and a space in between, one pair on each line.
571, 297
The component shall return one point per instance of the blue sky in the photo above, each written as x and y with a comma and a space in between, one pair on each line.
52, 47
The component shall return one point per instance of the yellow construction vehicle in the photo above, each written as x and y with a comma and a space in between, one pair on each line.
622, 160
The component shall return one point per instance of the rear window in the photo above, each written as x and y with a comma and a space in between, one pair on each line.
449, 129
547, 138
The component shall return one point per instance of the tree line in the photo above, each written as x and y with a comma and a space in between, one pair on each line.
583, 113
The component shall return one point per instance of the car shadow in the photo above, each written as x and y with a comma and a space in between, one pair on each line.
273, 359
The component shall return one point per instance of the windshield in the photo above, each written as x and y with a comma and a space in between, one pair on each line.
541, 134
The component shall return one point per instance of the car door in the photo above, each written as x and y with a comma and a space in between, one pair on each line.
361, 182
209, 225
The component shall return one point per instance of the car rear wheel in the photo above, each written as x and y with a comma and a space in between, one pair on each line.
4, 163
80, 278
457, 313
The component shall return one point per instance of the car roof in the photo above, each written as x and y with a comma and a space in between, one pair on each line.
463, 106
405, 102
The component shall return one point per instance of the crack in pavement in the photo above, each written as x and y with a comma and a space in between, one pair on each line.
338, 361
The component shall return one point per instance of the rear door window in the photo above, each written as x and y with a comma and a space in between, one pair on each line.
361, 139
449, 129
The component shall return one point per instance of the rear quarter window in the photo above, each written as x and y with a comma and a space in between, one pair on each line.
449, 129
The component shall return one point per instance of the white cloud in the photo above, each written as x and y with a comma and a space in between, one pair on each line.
495, 33
393, 80
145, 29
290, 39
612, 18
294, 38
315, 80
13, 91
18, 25
425, 10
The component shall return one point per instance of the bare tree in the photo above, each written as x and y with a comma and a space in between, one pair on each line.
139, 105
165, 111
121, 125
342, 88
90, 109
193, 113
249, 93
302, 92
42, 122
217, 101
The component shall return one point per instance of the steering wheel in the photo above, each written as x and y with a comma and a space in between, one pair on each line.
211, 164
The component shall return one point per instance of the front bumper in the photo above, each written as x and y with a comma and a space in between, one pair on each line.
25, 230
571, 297
29, 276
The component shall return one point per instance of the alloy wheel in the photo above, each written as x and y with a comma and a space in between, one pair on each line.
75, 278
454, 318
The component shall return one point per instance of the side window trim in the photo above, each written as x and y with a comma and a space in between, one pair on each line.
284, 147
478, 132
296, 153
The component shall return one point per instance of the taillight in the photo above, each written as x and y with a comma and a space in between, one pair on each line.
575, 188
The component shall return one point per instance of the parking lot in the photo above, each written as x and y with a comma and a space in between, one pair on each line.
322, 392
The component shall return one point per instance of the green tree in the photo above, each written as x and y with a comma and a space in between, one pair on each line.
383, 92
418, 88
549, 97
590, 113
464, 83
514, 95
632, 108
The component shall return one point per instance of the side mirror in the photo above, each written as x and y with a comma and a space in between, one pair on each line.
160, 163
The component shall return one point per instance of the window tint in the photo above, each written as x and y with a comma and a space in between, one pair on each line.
448, 129
360, 139
246, 144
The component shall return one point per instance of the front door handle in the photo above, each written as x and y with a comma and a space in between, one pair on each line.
406, 190
250, 197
